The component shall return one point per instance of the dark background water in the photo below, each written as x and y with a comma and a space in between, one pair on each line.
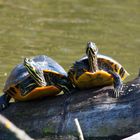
61, 29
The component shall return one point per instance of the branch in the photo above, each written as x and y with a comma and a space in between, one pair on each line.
81, 137
20, 134
133, 137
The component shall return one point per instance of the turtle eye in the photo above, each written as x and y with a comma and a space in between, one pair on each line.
33, 68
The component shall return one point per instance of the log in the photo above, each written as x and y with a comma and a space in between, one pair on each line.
100, 115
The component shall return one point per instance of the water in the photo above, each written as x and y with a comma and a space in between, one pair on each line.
61, 29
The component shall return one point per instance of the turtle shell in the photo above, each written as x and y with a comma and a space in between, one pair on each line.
82, 78
19, 79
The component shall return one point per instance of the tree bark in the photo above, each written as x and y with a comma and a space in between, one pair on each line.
100, 115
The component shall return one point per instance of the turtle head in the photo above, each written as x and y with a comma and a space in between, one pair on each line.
91, 52
34, 70
91, 49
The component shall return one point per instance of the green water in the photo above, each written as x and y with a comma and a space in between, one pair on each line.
61, 29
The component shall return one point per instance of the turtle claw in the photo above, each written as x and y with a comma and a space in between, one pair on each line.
118, 91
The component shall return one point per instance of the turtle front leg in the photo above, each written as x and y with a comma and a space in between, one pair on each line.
118, 85
4, 101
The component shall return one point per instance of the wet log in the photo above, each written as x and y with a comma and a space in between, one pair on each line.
100, 115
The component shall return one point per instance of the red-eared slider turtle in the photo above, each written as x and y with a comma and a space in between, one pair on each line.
37, 77
97, 70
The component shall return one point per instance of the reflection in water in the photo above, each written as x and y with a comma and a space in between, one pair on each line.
61, 29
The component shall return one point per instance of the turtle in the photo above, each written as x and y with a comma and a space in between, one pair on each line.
96, 70
35, 78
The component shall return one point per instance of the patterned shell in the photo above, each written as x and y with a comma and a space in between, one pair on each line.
104, 63
19, 73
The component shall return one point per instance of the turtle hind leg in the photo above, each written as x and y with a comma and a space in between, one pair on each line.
67, 86
4, 101
118, 85
63, 87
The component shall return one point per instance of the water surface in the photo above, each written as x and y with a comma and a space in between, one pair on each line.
61, 29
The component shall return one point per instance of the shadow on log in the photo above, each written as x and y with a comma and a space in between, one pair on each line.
100, 115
